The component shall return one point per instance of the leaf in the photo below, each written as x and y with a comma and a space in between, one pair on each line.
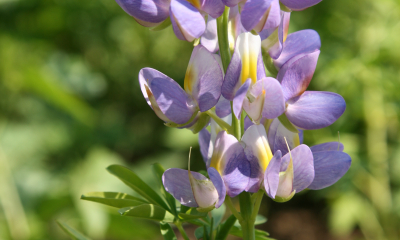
218, 214
202, 232
285, 122
114, 199
259, 234
148, 211
159, 171
225, 228
167, 231
134, 182
74, 234
192, 213
260, 219
196, 222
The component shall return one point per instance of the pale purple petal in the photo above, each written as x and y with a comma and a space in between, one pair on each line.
274, 103
300, 42
147, 12
303, 167
210, 38
296, 74
223, 107
203, 79
231, 3
260, 67
214, 8
176, 182
237, 171
187, 22
253, 12
329, 166
247, 123
314, 110
232, 76
216, 179
148, 74
298, 5
329, 146
239, 97
274, 15
204, 143
276, 137
172, 100
256, 175
276, 50
230, 161
271, 176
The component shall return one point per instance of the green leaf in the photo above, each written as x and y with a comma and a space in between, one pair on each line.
74, 234
260, 219
159, 171
113, 199
285, 122
192, 213
196, 222
218, 214
134, 182
225, 228
259, 234
148, 211
167, 231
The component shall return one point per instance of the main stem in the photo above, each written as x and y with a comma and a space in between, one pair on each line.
247, 216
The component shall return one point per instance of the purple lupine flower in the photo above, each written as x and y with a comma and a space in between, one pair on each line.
258, 15
193, 189
228, 169
306, 109
245, 68
202, 85
187, 17
273, 38
330, 162
282, 176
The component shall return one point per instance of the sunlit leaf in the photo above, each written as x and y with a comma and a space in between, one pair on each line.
167, 231
148, 211
74, 234
133, 181
260, 219
218, 214
114, 199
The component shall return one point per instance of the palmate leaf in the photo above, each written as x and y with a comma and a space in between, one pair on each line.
148, 211
167, 232
113, 199
260, 219
225, 228
74, 234
134, 182
218, 214
159, 171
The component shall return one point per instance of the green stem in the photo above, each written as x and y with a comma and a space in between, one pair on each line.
228, 202
181, 230
224, 125
259, 197
246, 209
236, 125
223, 38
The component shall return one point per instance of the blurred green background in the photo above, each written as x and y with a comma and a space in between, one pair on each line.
70, 105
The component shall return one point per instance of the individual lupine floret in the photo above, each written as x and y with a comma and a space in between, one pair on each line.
245, 68
228, 169
187, 17
282, 176
307, 109
193, 189
330, 162
202, 89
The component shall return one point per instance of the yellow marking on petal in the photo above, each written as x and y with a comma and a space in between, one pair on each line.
216, 160
296, 140
264, 152
249, 67
195, 3
189, 79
